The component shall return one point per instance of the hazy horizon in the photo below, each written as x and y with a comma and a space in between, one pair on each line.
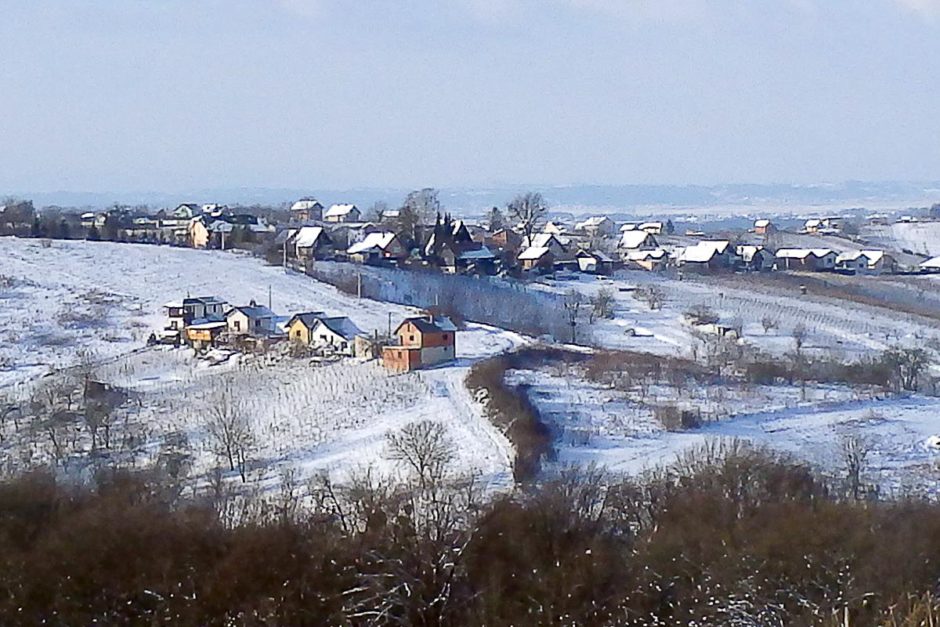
111, 96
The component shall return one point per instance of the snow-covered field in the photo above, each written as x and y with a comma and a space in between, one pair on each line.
597, 425
74, 301
841, 329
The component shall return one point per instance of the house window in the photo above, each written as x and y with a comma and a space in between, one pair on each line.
445, 337
297, 334
238, 325
174, 325
411, 338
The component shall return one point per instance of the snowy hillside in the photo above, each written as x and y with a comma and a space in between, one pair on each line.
74, 301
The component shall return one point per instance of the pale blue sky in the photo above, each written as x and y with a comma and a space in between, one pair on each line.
170, 94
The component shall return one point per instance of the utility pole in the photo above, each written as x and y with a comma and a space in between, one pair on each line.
359, 285
390, 325
270, 305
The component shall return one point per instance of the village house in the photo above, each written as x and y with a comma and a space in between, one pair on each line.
504, 239
806, 259
377, 247
823, 226
194, 309
708, 256
755, 258
311, 242
594, 262
554, 243
306, 210
597, 226
865, 262
555, 228
300, 326
653, 228
628, 226
537, 258
343, 213
636, 240
482, 261
337, 334
764, 227
252, 320
649, 260
203, 335
421, 342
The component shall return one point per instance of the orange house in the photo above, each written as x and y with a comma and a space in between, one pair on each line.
421, 342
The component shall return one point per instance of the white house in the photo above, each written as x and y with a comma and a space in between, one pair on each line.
306, 209
654, 228
342, 213
309, 240
337, 333
376, 246
865, 262
637, 240
597, 226
810, 259
250, 320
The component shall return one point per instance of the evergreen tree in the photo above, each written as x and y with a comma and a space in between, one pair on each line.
93, 234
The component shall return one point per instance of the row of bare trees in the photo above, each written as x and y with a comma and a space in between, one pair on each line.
728, 535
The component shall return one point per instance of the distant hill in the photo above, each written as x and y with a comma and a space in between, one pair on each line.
574, 198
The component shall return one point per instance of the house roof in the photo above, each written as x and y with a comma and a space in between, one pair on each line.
252, 311
761, 223
543, 240
747, 252
873, 256
651, 225
703, 252
373, 242
481, 253
203, 300
629, 226
305, 203
307, 236
803, 253
207, 325
341, 326
592, 222
595, 254
337, 211
932, 263
284, 235
635, 239
437, 324
533, 252
307, 318
643, 255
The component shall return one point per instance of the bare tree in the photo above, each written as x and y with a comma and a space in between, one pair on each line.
652, 295
425, 204
907, 365
799, 337
495, 220
602, 304
528, 210
855, 451
769, 323
573, 301
424, 447
230, 432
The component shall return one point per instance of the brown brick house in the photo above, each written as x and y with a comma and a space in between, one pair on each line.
420, 342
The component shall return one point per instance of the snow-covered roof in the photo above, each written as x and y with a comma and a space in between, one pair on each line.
932, 263
307, 236
391, 213
803, 253
533, 252
643, 255
252, 311
554, 228
599, 255
307, 318
629, 226
341, 326
207, 325
651, 226
703, 252
761, 223
377, 241
221, 226
873, 256
591, 223
635, 239
338, 211
542, 240
305, 204
747, 252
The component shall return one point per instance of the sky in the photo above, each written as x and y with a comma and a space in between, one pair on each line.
117, 95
